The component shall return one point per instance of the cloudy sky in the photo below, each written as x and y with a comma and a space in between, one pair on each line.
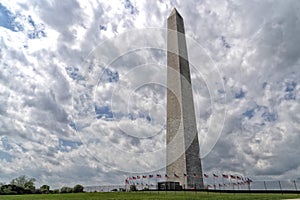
83, 98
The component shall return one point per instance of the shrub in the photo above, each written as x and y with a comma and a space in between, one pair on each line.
133, 188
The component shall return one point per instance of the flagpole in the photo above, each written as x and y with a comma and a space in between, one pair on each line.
214, 182
280, 186
174, 178
222, 179
194, 182
248, 183
265, 185
156, 183
295, 185
194, 177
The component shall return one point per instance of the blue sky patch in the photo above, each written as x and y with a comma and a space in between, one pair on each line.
5, 156
131, 116
109, 76
102, 27
5, 143
73, 126
145, 116
221, 91
38, 30
290, 96
128, 5
290, 86
290, 90
7, 19
225, 43
240, 94
68, 145
269, 117
266, 115
264, 85
249, 113
73, 73
30, 21
103, 112
140, 115
148, 118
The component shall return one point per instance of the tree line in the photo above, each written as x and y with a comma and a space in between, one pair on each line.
25, 185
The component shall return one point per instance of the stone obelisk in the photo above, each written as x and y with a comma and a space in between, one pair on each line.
183, 154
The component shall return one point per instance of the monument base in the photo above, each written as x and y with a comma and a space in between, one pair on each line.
169, 186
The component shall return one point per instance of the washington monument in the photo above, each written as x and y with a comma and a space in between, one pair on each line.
183, 154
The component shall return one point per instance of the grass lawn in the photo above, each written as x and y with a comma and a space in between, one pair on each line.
147, 195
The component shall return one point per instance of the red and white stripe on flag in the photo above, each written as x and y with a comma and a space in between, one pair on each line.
225, 175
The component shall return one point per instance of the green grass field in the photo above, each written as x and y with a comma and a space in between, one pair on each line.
147, 196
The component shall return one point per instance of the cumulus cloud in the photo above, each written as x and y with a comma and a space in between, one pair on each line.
62, 64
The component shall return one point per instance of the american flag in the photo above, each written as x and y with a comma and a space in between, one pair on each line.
225, 175
215, 175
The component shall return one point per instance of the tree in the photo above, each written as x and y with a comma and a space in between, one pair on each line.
11, 189
24, 182
66, 189
56, 191
45, 189
78, 188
